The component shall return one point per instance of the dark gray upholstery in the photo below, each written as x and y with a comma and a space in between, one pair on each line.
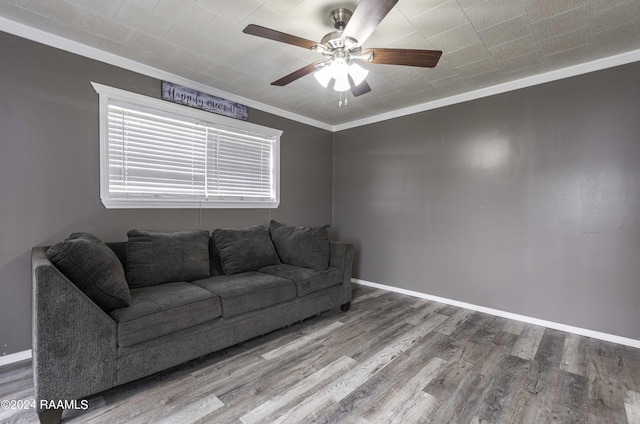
215, 264
93, 268
261, 322
244, 249
163, 257
120, 249
249, 291
158, 354
75, 343
307, 280
302, 246
164, 309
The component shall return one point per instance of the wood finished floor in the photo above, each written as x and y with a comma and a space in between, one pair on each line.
390, 359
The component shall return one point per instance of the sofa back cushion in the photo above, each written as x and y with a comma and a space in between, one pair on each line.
308, 247
215, 264
120, 249
244, 249
94, 268
164, 257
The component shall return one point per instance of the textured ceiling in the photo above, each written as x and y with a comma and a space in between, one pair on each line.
485, 43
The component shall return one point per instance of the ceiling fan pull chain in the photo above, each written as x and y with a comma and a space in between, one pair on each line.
346, 98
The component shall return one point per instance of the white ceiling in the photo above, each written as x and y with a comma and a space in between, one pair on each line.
485, 43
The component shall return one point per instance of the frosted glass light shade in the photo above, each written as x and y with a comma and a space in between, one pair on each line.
358, 73
342, 83
323, 76
340, 73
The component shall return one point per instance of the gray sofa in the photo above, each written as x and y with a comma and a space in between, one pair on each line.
86, 341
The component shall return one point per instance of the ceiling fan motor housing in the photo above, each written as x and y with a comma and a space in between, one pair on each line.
334, 45
334, 40
340, 18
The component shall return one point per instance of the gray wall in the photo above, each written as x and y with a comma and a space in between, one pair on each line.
49, 166
526, 202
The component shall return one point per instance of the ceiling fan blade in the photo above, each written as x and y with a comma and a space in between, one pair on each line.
366, 18
297, 74
358, 90
278, 36
406, 57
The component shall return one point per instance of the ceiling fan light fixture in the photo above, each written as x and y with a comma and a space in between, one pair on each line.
342, 83
323, 76
344, 46
358, 73
340, 72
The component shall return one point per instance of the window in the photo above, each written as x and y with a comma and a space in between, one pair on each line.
156, 154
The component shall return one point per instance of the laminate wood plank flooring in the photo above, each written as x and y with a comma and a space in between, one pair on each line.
390, 359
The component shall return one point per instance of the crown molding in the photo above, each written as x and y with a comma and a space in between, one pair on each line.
75, 47
571, 71
52, 40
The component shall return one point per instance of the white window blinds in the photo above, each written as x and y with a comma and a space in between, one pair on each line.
240, 165
159, 158
150, 155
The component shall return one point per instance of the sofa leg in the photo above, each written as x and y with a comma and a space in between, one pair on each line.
50, 416
345, 307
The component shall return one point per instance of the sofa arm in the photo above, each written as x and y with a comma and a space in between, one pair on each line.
342, 258
74, 341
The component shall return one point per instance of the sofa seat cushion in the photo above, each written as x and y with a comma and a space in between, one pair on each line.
164, 309
306, 280
248, 291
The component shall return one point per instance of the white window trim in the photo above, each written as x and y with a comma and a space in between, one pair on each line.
108, 94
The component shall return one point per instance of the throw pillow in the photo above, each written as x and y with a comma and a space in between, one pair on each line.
244, 249
308, 247
94, 268
155, 257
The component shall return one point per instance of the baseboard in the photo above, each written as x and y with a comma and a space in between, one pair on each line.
15, 357
26, 354
530, 320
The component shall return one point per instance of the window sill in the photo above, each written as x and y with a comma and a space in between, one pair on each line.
169, 204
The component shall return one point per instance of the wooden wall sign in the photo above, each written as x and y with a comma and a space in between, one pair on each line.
186, 96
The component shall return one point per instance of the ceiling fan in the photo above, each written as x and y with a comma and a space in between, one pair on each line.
343, 47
